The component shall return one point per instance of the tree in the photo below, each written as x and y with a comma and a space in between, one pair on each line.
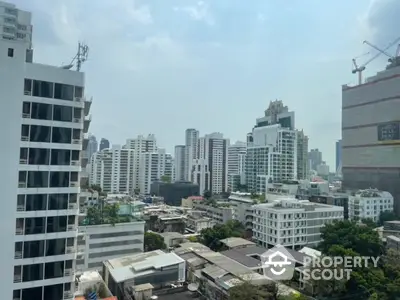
248, 291
96, 187
350, 235
387, 216
207, 194
166, 179
211, 237
110, 212
93, 216
369, 222
192, 239
153, 241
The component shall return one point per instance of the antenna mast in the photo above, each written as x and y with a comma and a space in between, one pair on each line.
80, 57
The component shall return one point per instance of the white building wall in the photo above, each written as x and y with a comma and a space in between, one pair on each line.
236, 162
97, 243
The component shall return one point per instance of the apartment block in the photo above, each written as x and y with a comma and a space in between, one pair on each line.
236, 165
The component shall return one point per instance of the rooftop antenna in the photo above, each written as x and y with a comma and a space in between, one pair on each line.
80, 57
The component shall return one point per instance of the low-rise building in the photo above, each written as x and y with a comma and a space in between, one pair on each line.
391, 228
236, 242
369, 204
393, 242
188, 202
219, 212
175, 191
196, 222
157, 268
292, 223
172, 239
97, 243
337, 199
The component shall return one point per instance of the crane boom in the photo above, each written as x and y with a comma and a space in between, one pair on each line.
376, 48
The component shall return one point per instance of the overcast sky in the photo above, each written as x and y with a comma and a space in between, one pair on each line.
161, 66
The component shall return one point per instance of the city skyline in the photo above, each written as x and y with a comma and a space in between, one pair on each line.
183, 46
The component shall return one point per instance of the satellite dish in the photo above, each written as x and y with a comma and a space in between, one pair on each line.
193, 287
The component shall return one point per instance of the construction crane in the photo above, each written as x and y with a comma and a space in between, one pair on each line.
360, 69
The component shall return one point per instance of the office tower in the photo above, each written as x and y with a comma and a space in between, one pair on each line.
104, 144
302, 155
271, 149
338, 151
43, 132
154, 166
315, 157
210, 167
236, 165
371, 133
191, 137
140, 145
113, 170
179, 163
93, 146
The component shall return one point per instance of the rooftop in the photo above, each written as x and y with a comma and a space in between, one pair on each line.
233, 242
129, 267
245, 260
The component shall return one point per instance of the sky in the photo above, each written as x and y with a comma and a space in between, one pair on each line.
162, 66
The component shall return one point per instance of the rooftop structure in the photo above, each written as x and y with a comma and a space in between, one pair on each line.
236, 242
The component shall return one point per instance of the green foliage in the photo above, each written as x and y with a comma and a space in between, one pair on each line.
192, 239
347, 238
369, 223
248, 291
166, 179
387, 216
211, 237
153, 241
105, 214
96, 187
207, 194
361, 239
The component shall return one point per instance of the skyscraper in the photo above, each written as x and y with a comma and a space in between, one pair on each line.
302, 155
271, 149
93, 146
191, 137
43, 126
338, 156
104, 144
315, 157
371, 133
179, 163
236, 165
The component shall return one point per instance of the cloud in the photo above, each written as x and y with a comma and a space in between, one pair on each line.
381, 21
198, 12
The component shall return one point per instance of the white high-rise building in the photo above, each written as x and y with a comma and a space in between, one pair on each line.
210, 167
369, 204
236, 164
271, 149
153, 166
140, 145
43, 127
292, 223
113, 170
191, 138
179, 163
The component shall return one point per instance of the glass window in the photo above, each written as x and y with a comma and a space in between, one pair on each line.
41, 111
55, 247
28, 86
61, 135
62, 113
32, 272
36, 202
40, 134
33, 249
35, 225
79, 91
63, 91
38, 179
56, 224
39, 156
60, 157
58, 201
59, 179
43, 89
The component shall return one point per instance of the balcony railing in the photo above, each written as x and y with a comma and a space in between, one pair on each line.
71, 227
74, 184
17, 278
76, 141
68, 272
24, 138
75, 163
19, 231
78, 99
23, 161
28, 93
67, 295
21, 184
26, 116
20, 207
77, 120
70, 249
18, 255
72, 206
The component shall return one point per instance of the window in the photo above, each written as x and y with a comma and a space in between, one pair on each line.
43, 89
61, 135
23, 153
38, 179
55, 247
59, 179
35, 225
10, 52
58, 201
26, 108
41, 111
10, 11
79, 91
62, 113
21, 27
56, 224
32, 272
21, 35
36, 202
28, 86
33, 249
40, 133
63, 91
60, 157
39, 156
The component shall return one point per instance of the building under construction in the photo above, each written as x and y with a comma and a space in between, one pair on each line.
371, 132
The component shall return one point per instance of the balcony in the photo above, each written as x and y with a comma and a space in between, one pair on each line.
86, 123
75, 163
88, 104
28, 93
19, 231
68, 272
25, 138
70, 249
68, 295
78, 99
23, 161
77, 120
72, 206
20, 207
18, 255
71, 227
26, 116
74, 184
17, 278
76, 141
